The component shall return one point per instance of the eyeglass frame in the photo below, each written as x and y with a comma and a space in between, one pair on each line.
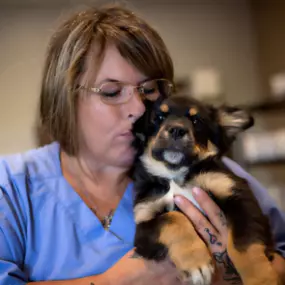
97, 90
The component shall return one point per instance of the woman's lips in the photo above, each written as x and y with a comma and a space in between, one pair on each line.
127, 136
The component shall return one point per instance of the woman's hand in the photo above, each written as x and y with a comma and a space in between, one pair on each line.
213, 230
131, 270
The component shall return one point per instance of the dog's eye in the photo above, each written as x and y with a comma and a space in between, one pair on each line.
160, 117
197, 122
194, 119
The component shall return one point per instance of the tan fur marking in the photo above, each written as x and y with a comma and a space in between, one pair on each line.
164, 108
153, 139
230, 120
205, 152
252, 264
212, 149
145, 211
185, 247
193, 111
165, 134
218, 183
225, 119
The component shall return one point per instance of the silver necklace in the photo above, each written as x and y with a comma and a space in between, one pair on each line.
106, 220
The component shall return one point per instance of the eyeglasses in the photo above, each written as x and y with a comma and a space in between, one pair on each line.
116, 92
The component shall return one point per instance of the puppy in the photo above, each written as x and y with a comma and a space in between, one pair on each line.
181, 146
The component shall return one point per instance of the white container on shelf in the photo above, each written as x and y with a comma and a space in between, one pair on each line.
277, 85
264, 146
206, 83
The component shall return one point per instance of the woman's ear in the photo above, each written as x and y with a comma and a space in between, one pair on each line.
234, 120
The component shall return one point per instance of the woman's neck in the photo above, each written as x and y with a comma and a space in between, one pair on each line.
104, 185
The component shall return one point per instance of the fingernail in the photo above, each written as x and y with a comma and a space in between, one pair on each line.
178, 200
196, 191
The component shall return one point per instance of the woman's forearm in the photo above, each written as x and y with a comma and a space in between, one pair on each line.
279, 266
102, 279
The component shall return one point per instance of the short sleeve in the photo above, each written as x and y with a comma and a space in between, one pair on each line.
268, 205
11, 242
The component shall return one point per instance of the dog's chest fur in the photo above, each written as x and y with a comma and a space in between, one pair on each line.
147, 210
186, 191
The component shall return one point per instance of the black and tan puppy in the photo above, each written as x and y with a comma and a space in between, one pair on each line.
181, 147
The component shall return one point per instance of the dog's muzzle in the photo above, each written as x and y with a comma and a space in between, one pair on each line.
173, 144
177, 132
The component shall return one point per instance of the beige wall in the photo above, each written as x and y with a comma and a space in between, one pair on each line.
22, 42
198, 33
269, 26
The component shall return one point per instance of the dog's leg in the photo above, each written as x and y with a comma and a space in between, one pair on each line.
252, 264
185, 248
250, 244
173, 235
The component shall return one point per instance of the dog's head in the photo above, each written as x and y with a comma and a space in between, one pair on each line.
182, 132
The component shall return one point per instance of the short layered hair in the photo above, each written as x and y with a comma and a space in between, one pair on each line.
84, 33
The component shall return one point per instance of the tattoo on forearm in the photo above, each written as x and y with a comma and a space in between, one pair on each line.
213, 238
231, 275
222, 218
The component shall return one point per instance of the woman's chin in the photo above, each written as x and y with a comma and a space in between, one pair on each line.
127, 157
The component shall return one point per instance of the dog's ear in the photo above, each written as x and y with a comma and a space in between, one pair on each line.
234, 120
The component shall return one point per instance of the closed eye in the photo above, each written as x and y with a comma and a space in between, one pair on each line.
111, 94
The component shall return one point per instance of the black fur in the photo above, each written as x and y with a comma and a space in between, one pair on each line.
241, 209
147, 244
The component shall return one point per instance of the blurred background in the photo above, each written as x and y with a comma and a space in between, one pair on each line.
224, 51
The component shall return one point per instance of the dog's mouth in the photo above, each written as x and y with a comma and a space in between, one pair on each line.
173, 156
173, 145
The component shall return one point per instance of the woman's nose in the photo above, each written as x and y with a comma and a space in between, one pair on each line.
136, 105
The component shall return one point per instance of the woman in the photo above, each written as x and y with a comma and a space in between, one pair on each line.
66, 208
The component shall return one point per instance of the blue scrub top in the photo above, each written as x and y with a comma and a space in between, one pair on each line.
48, 233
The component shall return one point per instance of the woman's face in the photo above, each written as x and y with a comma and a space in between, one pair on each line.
105, 130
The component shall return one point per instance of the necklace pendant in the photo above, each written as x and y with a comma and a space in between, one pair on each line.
107, 221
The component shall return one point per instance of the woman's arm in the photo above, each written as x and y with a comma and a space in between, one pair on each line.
213, 230
101, 279
127, 271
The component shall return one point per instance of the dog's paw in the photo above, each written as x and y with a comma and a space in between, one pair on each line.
198, 276
194, 264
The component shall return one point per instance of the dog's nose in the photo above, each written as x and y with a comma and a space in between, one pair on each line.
177, 132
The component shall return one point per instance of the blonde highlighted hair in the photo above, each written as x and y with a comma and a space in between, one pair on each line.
69, 47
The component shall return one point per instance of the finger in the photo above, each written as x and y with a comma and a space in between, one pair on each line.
213, 212
205, 229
